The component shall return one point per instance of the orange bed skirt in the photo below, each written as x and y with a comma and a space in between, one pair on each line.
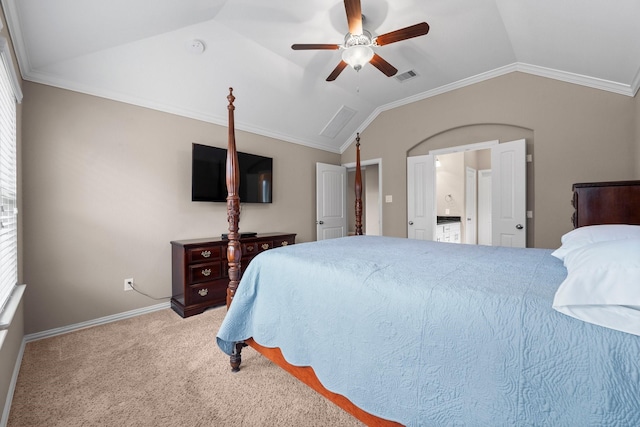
308, 376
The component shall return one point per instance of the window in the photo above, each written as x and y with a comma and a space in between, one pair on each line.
8, 176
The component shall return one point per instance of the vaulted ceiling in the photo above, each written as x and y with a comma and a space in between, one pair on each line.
148, 53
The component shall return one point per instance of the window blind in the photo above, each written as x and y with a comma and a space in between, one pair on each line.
8, 188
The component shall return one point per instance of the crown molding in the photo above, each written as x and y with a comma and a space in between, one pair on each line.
48, 80
579, 79
606, 85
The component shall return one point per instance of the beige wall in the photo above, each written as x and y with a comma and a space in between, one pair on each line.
576, 134
107, 186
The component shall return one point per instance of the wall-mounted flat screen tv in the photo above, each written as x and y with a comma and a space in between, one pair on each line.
208, 176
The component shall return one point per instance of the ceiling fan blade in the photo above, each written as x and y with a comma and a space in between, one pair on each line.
405, 33
315, 46
382, 65
354, 16
336, 71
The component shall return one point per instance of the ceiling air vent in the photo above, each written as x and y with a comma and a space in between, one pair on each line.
339, 120
406, 76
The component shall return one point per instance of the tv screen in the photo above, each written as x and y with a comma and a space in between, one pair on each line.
208, 176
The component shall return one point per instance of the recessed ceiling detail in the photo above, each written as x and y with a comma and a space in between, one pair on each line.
126, 51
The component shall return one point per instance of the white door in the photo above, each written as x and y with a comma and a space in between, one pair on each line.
508, 194
484, 207
470, 194
331, 201
421, 215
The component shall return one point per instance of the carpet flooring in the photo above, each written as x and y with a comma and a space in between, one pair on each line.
158, 369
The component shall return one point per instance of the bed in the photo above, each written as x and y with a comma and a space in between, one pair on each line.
405, 332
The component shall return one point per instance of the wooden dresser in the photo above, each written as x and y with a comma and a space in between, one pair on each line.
199, 276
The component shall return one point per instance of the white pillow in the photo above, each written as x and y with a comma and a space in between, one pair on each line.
603, 285
595, 233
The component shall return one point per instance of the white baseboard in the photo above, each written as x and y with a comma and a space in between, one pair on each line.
12, 386
95, 322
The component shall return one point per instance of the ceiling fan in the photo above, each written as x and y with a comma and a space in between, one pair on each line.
358, 43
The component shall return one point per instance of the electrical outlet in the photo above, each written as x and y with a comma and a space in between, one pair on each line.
128, 284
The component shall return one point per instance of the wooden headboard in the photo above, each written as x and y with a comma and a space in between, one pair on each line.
615, 202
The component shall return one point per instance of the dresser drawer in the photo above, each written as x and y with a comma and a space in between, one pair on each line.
204, 272
207, 291
263, 246
204, 254
283, 242
249, 249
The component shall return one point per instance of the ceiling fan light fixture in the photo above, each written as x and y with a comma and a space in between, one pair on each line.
357, 56
357, 48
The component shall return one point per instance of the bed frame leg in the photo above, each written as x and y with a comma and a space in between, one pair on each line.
236, 357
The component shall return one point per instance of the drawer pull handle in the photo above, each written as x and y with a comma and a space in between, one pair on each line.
285, 243
203, 292
265, 246
206, 272
249, 248
205, 254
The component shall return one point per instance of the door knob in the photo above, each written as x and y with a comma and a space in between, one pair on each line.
320, 222
519, 227
410, 222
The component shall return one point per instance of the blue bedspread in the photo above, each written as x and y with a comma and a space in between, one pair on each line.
434, 334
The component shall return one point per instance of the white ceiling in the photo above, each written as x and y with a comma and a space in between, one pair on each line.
135, 51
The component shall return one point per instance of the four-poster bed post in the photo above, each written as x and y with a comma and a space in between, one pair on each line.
234, 250
358, 188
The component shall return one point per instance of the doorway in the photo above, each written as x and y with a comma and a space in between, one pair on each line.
508, 192
484, 207
371, 197
457, 197
331, 201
